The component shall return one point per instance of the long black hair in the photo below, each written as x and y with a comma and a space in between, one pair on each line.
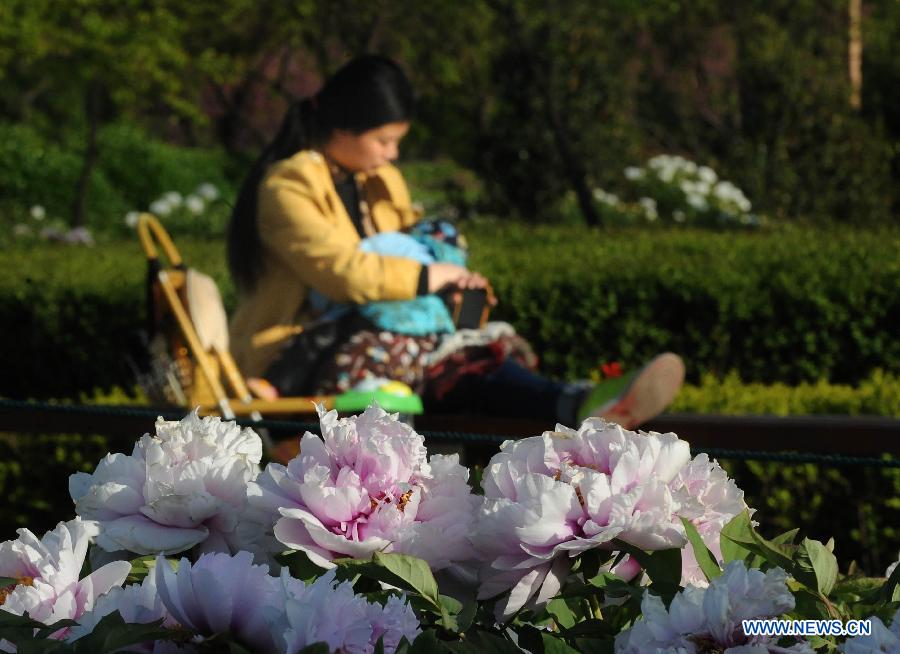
368, 92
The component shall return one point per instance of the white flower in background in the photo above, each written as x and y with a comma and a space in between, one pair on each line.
881, 641
38, 212
184, 487
709, 500
649, 207
79, 236
635, 173
47, 573
366, 486
549, 498
697, 201
678, 216
709, 619
606, 198
707, 175
174, 198
208, 192
132, 218
194, 204
21, 229
161, 207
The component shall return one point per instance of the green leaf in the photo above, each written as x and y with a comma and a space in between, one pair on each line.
140, 568
596, 645
787, 538
591, 629
824, 564
776, 554
738, 530
450, 608
413, 572
561, 613
401, 571
113, 633
662, 566
428, 643
556, 645
299, 565
889, 592
704, 557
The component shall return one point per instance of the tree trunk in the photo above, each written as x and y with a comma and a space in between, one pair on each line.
92, 101
572, 163
854, 54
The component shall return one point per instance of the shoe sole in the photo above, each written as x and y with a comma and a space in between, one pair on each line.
649, 393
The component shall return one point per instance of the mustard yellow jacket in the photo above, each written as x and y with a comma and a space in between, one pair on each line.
309, 241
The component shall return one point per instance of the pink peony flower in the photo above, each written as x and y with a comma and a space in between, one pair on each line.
330, 612
366, 486
709, 619
184, 487
551, 497
709, 499
48, 570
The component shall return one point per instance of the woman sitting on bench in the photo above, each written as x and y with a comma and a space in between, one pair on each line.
305, 214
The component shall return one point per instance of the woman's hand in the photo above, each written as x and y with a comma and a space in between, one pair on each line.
441, 275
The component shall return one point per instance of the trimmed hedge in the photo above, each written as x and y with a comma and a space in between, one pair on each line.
787, 305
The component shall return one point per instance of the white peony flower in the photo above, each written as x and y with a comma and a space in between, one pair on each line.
47, 572
222, 593
710, 619
330, 612
38, 212
881, 641
184, 487
136, 603
551, 497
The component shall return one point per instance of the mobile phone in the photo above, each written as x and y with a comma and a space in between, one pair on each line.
468, 307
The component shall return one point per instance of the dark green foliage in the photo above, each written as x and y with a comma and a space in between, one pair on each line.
142, 168
37, 171
132, 170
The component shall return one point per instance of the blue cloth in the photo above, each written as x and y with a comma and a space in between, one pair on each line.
428, 243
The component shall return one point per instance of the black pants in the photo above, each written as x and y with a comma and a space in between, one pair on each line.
511, 390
